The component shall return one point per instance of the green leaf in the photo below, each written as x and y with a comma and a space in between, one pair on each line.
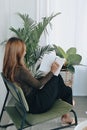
71, 69
71, 50
38, 53
30, 33
74, 59
60, 52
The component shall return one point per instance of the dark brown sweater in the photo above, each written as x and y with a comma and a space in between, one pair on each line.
27, 82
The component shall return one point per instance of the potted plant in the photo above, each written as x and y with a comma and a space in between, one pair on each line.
72, 59
30, 33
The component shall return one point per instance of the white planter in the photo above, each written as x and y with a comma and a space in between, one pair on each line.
67, 77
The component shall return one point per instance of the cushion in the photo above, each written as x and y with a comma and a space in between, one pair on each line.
58, 109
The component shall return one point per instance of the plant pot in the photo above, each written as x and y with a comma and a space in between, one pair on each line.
67, 77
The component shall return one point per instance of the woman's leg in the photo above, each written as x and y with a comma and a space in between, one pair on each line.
49, 93
65, 91
66, 95
54, 89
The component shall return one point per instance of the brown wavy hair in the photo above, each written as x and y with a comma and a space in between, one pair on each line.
13, 57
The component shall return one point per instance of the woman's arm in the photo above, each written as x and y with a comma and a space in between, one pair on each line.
26, 77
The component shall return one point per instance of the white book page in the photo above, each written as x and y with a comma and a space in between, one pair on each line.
61, 62
47, 61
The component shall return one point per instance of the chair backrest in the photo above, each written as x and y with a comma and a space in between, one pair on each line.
16, 92
22, 97
3, 96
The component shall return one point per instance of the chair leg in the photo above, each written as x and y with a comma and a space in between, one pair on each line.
75, 117
6, 125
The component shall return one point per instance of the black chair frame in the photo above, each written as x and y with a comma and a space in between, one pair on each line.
24, 122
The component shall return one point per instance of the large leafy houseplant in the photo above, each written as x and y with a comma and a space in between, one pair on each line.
30, 33
71, 56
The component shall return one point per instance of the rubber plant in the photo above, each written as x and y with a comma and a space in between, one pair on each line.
71, 56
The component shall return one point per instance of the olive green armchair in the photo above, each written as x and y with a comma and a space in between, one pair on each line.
19, 111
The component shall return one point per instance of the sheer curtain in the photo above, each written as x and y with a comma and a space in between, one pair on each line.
81, 29
70, 27
80, 82
63, 26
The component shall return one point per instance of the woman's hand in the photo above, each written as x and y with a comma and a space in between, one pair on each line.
54, 67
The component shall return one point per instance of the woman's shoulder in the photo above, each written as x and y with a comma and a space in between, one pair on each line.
22, 69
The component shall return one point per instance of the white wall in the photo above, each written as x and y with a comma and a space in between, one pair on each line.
8, 17
8, 10
81, 28
69, 28
63, 32
80, 81
4, 19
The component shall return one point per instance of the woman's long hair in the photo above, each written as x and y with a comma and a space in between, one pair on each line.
13, 57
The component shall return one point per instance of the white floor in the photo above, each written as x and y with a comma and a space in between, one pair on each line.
48, 125
80, 108
44, 126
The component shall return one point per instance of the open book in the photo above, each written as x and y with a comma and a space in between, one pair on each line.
47, 61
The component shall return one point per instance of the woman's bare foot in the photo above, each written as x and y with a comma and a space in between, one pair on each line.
74, 102
66, 119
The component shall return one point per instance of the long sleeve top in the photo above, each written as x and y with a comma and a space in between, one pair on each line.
27, 82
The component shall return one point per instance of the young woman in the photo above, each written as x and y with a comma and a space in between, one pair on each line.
40, 99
